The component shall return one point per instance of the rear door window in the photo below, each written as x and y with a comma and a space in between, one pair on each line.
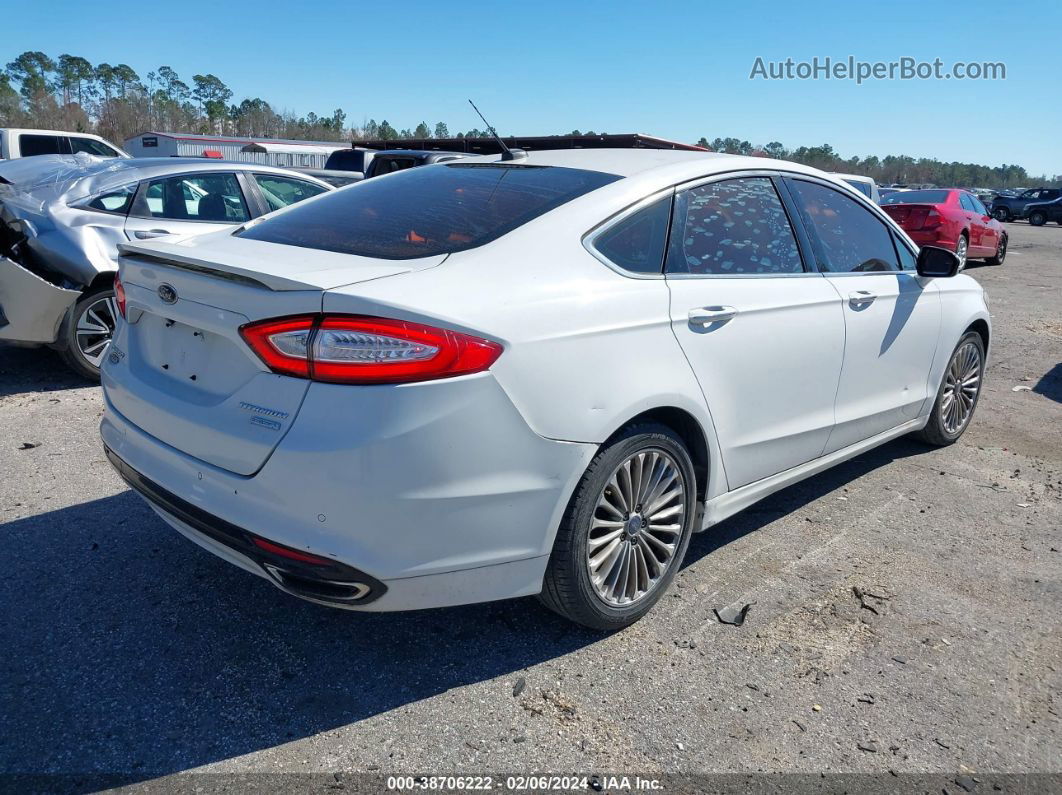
732, 228
31, 145
215, 198
850, 238
423, 212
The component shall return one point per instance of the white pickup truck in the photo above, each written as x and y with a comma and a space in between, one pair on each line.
26, 143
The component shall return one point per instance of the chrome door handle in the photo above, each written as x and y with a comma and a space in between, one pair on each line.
861, 298
150, 233
707, 315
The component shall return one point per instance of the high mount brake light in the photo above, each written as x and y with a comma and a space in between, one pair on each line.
355, 349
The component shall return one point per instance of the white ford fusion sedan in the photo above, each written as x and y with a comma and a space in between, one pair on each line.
499, 377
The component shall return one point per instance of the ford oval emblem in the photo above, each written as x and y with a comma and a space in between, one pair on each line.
167, 294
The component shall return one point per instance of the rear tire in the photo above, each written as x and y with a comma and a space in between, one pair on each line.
962, 248
1001, 252
88, 333
956, 401
1037, 218
1001, 214
610, 564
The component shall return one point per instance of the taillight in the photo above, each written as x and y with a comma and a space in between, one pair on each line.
283, 344
933, 219
353, 349
119, 294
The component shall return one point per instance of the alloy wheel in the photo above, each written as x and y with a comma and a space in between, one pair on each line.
960, 251
95, 327
636, 527
961, 384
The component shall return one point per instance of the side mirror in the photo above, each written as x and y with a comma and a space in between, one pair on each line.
935, 262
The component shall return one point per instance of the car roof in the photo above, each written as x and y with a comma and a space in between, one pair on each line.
856, 177
650, 166
75, 176
419, 154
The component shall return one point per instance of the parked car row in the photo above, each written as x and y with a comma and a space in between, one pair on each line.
951, 219
490, 377
63, 217
1010, 208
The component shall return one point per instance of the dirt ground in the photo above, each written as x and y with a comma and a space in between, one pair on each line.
128, 650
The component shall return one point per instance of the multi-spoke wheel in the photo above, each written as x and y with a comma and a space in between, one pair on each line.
636, 526
959, 391
625, 530
89, 331
961, 248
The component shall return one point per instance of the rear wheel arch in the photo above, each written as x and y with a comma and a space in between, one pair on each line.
102, 279
689, 430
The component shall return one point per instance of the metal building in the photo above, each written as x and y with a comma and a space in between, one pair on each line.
268, 151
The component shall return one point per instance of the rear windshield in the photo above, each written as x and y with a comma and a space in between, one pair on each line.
429, 210
862, 187
917, 197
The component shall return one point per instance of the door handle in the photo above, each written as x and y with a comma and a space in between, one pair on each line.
707, 315
141, 234
861, 298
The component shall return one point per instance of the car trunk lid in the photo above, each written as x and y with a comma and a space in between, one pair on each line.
912, 216
179, 368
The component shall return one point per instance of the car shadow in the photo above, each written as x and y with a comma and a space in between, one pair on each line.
792, 498
130, 652
1050, 384
34, 370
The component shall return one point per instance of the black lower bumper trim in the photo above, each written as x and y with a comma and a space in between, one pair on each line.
331, 583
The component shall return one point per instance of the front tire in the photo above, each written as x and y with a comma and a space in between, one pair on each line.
958, 394
1037, 218
1001, 214
89, 331
626, 529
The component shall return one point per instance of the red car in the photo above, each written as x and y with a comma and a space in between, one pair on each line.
949, 218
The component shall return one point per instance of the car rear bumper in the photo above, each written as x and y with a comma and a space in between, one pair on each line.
455, 505
932, 238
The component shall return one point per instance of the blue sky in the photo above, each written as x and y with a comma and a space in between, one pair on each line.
675, 69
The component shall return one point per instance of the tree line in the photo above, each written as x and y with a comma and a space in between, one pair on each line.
891, 169
115, 101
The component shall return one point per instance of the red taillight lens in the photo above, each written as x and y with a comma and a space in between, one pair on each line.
119, 295
931, 219
350, 349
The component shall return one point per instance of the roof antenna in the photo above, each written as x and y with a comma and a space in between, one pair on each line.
507, 153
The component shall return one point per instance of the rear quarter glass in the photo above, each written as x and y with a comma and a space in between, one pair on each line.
429, 210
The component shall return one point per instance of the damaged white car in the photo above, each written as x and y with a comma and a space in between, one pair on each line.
63, 216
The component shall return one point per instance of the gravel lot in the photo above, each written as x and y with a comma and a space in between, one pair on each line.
127, 649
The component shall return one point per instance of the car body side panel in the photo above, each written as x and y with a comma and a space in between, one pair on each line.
962, 303
34, 308
586, 348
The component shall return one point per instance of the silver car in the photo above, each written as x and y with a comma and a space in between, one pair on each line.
63, 216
